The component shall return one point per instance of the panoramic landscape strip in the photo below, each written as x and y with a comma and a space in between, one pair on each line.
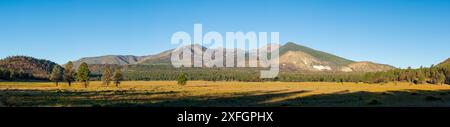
112, 81
225, 53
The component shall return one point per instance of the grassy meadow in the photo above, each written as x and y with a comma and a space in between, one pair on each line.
220, 94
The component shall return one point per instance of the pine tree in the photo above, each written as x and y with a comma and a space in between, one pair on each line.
117, 77
420, 78
447, 74
83, 74
410, 75
56, 75
182, 79
435, 76
12, 75
440, 78
106, 76
68, 73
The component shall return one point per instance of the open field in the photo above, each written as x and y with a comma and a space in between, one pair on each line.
206, 94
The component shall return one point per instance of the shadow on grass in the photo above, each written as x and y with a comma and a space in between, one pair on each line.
12, 97
408, 98
405, 98
246, 99
110, 98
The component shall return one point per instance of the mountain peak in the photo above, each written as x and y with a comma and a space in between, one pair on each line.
291, 46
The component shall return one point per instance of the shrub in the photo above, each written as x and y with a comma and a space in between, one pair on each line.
182, 79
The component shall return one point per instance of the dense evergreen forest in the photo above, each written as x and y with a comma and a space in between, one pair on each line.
433, 75
161, 72
25, 68
10, 75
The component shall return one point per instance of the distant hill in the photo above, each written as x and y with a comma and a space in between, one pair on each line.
38, 68
161, 58
293, 57
444, 63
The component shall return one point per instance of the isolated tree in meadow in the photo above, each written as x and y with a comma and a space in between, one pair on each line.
83, 74
69, 73
106, 76
56, 75
117, 77
182, 79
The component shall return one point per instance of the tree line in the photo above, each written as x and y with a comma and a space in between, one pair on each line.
168, 73
432, 75
83, 74
11, 75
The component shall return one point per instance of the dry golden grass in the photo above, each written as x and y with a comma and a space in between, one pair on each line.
204, 93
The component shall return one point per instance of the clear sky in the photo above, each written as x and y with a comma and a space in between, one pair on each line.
397, 32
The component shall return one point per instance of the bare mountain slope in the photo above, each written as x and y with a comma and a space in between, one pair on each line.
109, 59
300, 58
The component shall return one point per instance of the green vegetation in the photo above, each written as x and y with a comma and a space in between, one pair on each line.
56, 75
106, 76
69, 73
19, 68
117, 77
168, 73
433, 75
182, 79
11, 75
83, 74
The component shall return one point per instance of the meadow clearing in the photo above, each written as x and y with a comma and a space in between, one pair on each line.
222, 94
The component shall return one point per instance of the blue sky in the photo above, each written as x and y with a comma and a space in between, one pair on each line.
396, 32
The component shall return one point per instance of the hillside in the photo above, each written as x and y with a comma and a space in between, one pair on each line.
38, 68
444, 63
109, 59
366, 66
294, 57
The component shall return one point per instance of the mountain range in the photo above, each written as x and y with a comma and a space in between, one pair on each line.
293, 57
